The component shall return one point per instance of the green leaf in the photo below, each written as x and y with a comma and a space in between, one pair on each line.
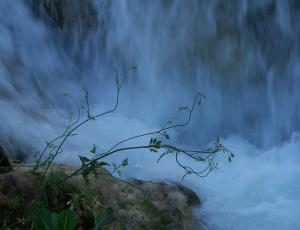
66, 220
94, 149
182, 108
157, 144
102, 163
161, 156
153, 150
44, 220
84, 159
73, 134
151, 141
200, 158
125, 162
167, 136
54, 217
102, 219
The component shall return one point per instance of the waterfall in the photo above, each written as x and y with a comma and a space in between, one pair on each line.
243, 55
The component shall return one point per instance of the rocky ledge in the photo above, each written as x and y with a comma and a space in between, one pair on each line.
130, 204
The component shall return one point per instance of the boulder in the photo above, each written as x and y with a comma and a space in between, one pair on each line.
131, 204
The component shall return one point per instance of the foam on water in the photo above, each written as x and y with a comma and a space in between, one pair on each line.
258, 190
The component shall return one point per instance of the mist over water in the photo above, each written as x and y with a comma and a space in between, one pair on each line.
243, 55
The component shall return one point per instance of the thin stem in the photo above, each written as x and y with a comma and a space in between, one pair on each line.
76, 127
165, 127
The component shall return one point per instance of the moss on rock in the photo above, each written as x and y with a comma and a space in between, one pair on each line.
132, 204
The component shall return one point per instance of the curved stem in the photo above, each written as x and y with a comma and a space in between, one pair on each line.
165, 127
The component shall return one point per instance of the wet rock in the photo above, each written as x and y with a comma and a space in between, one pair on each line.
5, 165
132, 204
16, 192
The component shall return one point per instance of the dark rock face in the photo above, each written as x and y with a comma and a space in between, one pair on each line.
132, 204
67, 15
5, 165
16, 192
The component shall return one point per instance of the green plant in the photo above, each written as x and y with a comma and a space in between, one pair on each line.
45, 220
102, 219
90, 202
158, 143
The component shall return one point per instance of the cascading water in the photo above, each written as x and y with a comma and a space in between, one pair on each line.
244, 55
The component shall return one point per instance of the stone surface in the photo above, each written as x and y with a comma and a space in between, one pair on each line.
131, 204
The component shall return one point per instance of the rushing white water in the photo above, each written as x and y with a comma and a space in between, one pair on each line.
244, 55
259, 190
